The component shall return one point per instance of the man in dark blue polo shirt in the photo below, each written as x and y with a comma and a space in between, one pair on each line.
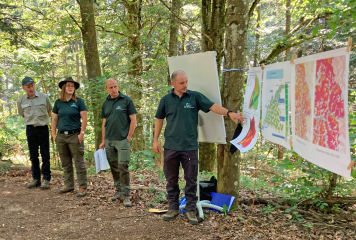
119, 122
180, 107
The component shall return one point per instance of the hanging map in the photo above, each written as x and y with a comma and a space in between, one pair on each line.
252, 105
319, 110
276, 103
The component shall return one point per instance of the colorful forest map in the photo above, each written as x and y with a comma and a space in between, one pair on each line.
303, 86
329, 114
250, 134
255, 95
273, 112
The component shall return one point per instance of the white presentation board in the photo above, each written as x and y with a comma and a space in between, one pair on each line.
320, 110
276, 103
203, 77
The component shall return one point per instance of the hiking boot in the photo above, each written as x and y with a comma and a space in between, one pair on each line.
82, 192
117, 195
65, 190
34, 183
45, 184
170, 215
192, 218
127, 202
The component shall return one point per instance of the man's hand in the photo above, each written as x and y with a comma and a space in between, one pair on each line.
102, 145
80, 137
128, 138
54, 137
237, 116
156, 147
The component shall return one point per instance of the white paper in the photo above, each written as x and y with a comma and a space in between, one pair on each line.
276, 103
203, 77
252, 108
319, 110
101, 162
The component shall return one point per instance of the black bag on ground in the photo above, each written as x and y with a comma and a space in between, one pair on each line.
207, 187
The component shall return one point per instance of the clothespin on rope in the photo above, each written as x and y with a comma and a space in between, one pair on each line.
262, 66
235, 69
292, 60
349, 44
291, 142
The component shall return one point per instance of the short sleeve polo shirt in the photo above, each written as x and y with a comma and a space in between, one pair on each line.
34, 109
117, 113
181, 113
69, 114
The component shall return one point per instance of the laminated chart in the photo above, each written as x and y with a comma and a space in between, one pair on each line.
276, 103
252, 105
319, 110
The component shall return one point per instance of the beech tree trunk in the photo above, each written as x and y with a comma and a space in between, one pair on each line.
173, 33
213, 21
233, 92
92, 62
288, 23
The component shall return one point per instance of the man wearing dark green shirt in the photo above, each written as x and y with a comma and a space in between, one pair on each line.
119, 122
180, 107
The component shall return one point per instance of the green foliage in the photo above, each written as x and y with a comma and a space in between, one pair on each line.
226, 209
267, 209
142, 160
296, 217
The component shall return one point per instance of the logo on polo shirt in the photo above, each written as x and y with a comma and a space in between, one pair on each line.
187, 105
74, 105
120, 108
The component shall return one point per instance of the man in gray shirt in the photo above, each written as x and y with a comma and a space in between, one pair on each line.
35, 108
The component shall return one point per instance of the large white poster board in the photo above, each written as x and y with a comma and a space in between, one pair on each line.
276, 103
319, 110
252, 111
203, 77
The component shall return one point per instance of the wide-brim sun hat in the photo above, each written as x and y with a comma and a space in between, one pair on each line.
68, 79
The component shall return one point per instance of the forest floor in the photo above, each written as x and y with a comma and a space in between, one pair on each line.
44, 214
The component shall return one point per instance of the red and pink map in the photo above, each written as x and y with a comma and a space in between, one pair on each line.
329, 115
303, 86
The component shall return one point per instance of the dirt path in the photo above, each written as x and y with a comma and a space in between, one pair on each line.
44, 214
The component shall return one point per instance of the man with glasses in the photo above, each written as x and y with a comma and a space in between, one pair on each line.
35, 108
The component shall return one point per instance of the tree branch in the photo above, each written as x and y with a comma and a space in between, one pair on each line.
155, 56
75, 21
154, 25
252, 9
108, 31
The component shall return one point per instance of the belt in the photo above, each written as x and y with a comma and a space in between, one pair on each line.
70, 132
33, 126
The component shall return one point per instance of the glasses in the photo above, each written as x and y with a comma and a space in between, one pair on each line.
69, 86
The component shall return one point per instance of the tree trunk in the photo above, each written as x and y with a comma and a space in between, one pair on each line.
92, 62
256, 55
77, 60
232, 92
213, 20
135, 67
173, 33
288, 23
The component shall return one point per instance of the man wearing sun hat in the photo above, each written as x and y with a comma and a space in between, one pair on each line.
35, 107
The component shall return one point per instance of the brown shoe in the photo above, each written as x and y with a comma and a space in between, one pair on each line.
117, 195
34, 183
170, 215
192, 218
82, 192
45, 184
127, 202
65, 190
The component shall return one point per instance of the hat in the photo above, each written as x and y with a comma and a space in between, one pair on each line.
26, 81
68, 79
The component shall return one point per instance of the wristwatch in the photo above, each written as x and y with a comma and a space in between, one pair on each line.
82, 133
229, 111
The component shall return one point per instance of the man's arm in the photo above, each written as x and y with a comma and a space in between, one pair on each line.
54, 125
84, 116
158, 129
49, 113
132, 126
216, 108
102, 145
19, 108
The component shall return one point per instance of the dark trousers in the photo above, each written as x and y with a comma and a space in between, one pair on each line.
172, 161
38, 137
